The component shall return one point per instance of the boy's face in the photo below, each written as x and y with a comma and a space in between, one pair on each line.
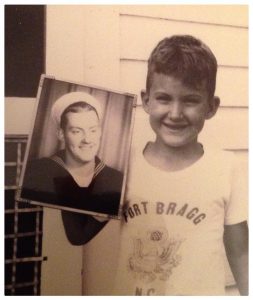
177, 112
81, 136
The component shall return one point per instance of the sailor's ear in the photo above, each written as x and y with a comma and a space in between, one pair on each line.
214, 104
60, 134
145, 101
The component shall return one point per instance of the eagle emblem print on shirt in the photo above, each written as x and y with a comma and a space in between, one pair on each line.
154, 255
155, 251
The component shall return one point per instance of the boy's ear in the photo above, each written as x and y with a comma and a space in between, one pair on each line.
214, 104
145, 100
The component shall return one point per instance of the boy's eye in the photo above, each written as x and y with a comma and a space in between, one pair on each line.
191, 100
163, 99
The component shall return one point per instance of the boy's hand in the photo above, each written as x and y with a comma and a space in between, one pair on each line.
236, 245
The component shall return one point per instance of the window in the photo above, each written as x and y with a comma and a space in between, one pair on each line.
23, 228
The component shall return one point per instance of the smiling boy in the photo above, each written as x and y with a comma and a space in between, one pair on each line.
177, 115
184, 200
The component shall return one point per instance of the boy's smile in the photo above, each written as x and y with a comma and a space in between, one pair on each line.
177, 112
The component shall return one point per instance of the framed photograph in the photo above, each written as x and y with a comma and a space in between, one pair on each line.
78, 150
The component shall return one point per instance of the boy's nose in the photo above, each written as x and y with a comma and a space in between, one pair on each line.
176, 111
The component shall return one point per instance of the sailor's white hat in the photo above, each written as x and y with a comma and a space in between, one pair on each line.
70, 98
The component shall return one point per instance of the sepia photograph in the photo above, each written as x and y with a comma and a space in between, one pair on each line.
127, 149
79, 147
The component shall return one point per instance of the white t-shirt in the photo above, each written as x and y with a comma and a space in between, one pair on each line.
172, 236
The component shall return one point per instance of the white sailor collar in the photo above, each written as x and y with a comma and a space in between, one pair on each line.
59, 159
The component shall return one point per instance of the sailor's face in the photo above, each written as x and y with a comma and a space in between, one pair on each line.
82, 136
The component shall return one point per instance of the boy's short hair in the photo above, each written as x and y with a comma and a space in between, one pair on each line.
187, 59
75, 108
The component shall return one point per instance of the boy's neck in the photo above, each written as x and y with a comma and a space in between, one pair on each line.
172, 158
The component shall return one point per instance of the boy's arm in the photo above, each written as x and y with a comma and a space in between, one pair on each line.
236, 245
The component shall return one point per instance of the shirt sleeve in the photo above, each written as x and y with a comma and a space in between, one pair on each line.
236, 210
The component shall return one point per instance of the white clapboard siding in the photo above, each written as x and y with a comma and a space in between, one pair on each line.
230, 15
228, 129
232, 86
64, 27
100, 265
62, 271
140, 35
232, 83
